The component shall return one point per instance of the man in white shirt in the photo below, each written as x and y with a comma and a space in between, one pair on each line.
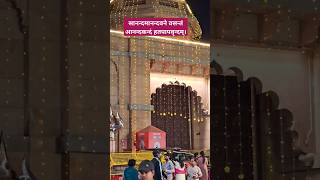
193, 172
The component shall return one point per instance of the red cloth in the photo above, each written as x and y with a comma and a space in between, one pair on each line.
180, 171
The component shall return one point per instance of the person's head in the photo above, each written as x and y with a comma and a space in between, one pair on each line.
193, 162
172, 157
131, 162
156, 153
146, 170
167, 156
196, 155
203, 156
181, 163
182, 158
202, 153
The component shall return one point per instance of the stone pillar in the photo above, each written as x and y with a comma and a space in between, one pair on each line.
139, 89
119, 81
208, 131
206, 134
196, 134
124, 98
206, 124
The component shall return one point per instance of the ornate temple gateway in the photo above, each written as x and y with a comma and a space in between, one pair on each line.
152, 76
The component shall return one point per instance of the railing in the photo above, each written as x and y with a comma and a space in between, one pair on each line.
121, 159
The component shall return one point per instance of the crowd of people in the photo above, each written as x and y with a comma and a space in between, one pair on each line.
171, 169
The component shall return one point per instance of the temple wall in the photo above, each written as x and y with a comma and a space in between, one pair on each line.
131, 63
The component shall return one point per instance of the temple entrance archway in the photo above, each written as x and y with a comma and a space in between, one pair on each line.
182, 92
178, 110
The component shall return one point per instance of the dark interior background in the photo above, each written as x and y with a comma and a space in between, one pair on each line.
201, 9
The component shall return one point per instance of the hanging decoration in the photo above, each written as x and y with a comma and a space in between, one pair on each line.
116, 122
175, 105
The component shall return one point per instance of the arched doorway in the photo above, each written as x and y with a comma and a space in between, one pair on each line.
177, 110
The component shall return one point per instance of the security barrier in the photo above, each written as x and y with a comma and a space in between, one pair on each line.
121, 159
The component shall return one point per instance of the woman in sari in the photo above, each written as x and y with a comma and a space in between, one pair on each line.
180, 171
203, 165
